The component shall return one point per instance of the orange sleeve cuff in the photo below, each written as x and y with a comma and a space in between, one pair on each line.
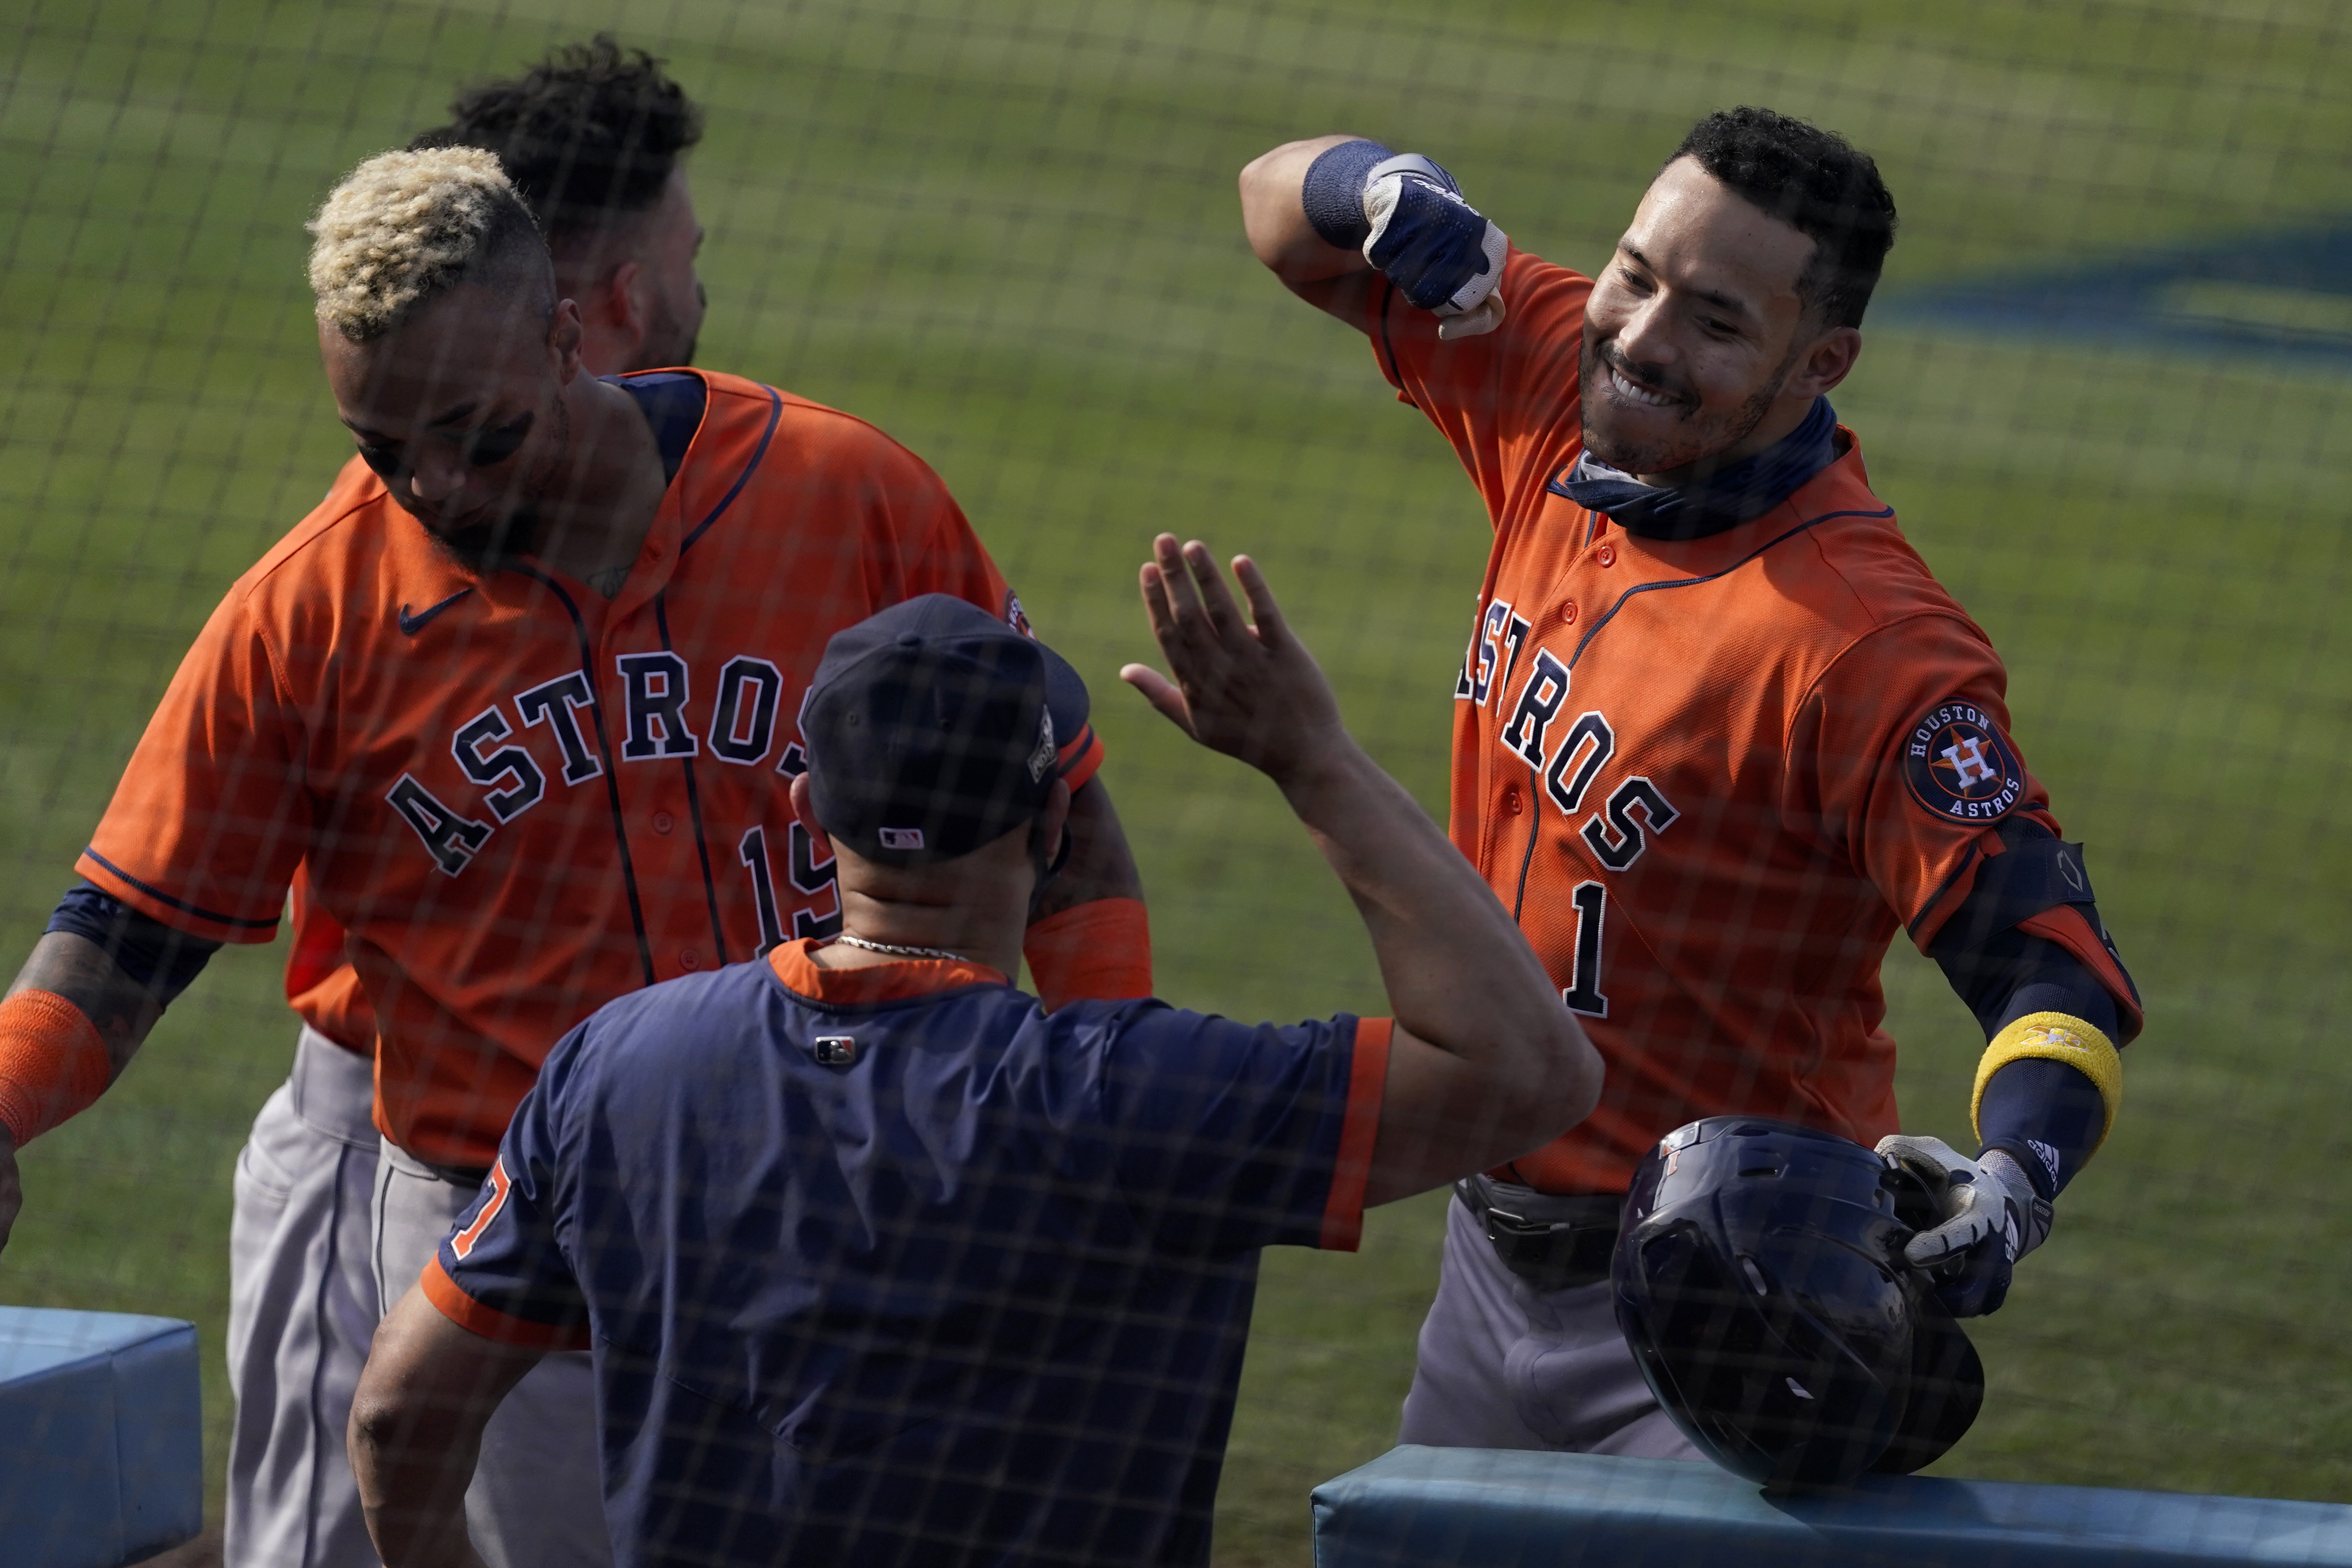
1367, 1081
53, 1063
449, 1298
1079, 761
1099, 951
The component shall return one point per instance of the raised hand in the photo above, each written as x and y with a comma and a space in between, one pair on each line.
1253, 692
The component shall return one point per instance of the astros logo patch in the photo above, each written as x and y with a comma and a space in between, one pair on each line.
1960, 766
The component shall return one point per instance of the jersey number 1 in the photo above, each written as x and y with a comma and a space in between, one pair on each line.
1582, 994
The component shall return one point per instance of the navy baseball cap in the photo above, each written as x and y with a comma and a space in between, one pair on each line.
933, 728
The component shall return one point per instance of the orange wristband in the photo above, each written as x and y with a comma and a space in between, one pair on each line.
1099, 952
53, 1065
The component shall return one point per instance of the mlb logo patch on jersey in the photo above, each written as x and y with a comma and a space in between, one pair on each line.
1960, 766
836, 1050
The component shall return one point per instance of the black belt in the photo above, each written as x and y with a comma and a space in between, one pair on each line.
1553, 1243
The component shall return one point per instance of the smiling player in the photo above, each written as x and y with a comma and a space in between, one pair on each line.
1718, 735
518, 695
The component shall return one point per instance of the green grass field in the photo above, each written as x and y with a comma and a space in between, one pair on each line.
1006, 231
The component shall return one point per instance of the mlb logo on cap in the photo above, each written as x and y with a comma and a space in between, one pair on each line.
930, 730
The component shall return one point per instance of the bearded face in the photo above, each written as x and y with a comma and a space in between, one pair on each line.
1694, 330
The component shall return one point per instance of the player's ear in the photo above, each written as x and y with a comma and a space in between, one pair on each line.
1827, 362
804, 807
564, 335
625, 302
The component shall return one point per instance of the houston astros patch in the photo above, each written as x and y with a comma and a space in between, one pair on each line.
1960, 766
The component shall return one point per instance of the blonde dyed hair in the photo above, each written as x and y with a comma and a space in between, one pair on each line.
404, 227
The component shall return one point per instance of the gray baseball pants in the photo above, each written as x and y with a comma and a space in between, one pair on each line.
538, 1497
301, 1308
1503, 1366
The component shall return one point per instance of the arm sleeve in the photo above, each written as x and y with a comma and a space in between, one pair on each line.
1501, 396
211, 816
1233, 1136
2049, 1117
502, 1271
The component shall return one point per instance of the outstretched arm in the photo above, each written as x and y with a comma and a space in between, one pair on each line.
1484, 1063
70, 1023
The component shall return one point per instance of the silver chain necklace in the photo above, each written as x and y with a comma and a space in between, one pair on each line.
892, 949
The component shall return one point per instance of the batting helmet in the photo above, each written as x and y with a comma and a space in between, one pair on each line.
1760, 1280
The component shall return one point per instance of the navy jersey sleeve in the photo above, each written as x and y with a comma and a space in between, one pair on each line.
1232, 1136
502, 1271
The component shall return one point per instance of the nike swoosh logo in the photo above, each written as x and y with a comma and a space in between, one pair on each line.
411, 625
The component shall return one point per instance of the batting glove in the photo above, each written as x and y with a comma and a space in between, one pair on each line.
1443, 254
1991, 1217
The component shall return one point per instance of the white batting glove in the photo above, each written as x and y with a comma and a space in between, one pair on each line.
1991, 1217
1443, 254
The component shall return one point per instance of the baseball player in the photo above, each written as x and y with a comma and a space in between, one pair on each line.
591, 137
1718, 733
519, 696
881, 1263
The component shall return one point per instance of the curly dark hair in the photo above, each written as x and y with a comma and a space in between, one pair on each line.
1816, 181
589, 133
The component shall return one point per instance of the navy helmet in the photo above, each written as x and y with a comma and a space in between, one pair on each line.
1760, 1280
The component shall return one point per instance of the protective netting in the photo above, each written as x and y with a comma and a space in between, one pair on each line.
2104, 387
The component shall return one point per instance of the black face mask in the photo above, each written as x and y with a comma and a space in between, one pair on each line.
1744, 490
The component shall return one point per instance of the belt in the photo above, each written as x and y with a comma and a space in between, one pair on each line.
1553, 1243
466, 1176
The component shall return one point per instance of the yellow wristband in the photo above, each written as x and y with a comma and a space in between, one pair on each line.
2058, 1038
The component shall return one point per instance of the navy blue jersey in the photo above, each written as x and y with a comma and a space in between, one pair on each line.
889, 1266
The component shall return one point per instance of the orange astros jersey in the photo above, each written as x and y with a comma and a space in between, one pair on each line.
521, 800
1711, 776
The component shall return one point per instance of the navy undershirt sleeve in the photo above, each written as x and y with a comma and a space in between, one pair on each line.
163, 960
2047, 1116
2010, 974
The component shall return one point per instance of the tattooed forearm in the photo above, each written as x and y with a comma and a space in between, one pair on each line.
78, 970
